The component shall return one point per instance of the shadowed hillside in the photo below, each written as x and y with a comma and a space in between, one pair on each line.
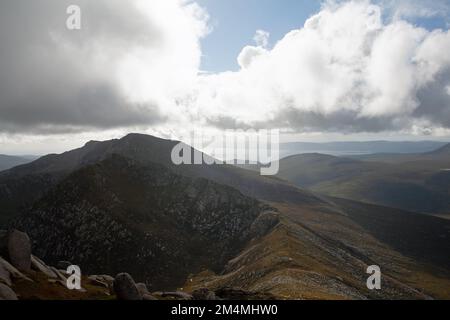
117, 215
21, 186
420, 185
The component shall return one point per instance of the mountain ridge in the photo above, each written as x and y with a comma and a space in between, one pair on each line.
118, 215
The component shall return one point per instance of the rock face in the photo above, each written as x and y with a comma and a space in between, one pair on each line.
5, 277
39, 265
118, 215
125, 287
6, 293
263, 224
14, 273
204, 294
142, 287
19, 249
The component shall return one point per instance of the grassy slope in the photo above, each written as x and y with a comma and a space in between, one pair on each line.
322, 253
414, 186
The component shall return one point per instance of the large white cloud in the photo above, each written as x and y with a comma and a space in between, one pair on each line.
347, 69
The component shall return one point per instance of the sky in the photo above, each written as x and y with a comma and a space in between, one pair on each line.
234, 23
316, 70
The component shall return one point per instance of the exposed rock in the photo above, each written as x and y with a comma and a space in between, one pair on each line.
19, 249
204, 294
176, 295
142, 287
16, 274
60, 282
63, 265
107, 278
6, 293
95, 280
125, 287
39, 265
263, 224
60, 275
5, 277
103, 280
94, 204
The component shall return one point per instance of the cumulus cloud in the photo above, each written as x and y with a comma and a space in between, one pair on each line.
404, 9
261, 38
346, 70
129, 59
249, 53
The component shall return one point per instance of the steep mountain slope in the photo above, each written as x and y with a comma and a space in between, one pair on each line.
7, 162
414, 186
323, 253
21, 186
118, 215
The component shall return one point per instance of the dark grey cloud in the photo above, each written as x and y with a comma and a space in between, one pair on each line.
56, 80
435, 101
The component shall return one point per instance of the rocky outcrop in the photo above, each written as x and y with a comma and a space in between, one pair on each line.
13, 272
125, 287
41, 276
142, 288
5, 277
6, 293
263, 224
120, 216
19, 250
38, 265
204, 294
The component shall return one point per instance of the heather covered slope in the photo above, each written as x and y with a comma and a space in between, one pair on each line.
323, 252
117, 215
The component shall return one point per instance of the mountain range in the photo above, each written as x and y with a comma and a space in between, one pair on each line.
121, 205
413, 182
8, 162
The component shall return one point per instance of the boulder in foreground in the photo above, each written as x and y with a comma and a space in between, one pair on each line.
125, 287
19, 250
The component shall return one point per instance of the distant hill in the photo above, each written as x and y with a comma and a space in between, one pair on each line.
440, 155
418, 183
445, 150
7, 162
348, 148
